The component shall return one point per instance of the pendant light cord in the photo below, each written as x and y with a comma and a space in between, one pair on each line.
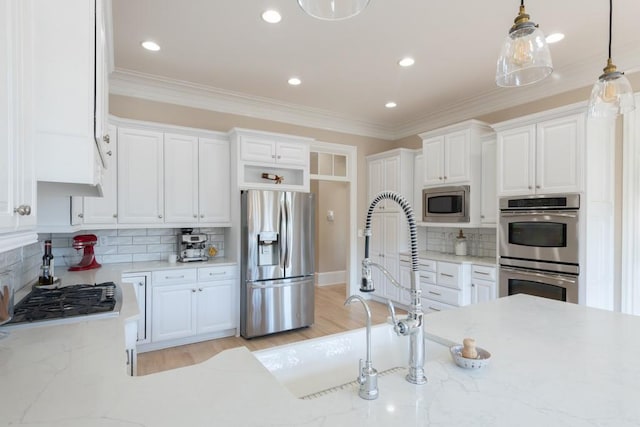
610, 24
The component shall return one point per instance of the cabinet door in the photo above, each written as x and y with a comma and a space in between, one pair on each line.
104, 210
391, 255
482, 290
256, 149
180, 179
140, 177
405, 280
214, 307
173, 315
391, 176
142, 288
456, 157
292, 153
376, 181
559, 155
214, 195
488, 201
433, 153
516, 161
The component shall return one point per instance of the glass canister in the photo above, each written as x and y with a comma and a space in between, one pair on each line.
461, 244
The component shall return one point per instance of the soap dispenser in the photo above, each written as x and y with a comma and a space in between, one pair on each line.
461, 244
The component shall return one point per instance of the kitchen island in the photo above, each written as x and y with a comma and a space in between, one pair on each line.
553, 364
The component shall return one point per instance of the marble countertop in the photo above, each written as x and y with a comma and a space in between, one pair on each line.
553, 363
441, 256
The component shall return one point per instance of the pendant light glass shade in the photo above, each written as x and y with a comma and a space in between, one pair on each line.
333, 10
612, 94
525, 57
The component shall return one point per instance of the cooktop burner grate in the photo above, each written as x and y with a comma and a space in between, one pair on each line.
64, 302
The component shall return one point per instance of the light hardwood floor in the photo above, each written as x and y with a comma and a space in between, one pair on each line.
331, 316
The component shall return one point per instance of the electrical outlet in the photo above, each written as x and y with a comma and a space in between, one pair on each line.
103, 240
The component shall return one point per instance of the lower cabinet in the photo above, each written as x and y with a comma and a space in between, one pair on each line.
141, 283
445, 285
193, 304
483, 283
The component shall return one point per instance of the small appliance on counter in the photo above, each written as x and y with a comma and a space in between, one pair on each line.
191, 247
85, 242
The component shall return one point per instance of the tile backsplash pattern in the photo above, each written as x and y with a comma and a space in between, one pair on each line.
480, 241
21, 265
129, 245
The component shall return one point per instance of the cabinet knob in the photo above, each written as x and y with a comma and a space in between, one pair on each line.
440, 178
200, 289
160, 216
23, 210
195, 216
482, 216
106, 138
201, 215
115, 215
193, 290
279, 157
80, 215
537, 186
273, 156
530, 187
140, 284
445, 177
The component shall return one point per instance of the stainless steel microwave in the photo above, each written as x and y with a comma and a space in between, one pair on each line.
445, 204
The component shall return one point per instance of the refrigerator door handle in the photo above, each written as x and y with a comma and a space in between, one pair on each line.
284, 248
289, 236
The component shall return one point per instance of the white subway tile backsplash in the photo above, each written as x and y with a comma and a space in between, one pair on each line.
148, 257
480, 241
146, 240
132, 249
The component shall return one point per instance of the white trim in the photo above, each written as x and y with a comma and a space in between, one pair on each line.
331, 278
161, 89
630, 274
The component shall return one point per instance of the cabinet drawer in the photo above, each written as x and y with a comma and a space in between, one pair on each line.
171, 277
483, 272
207, 274
432, 306
428, 277
427, 265
449, 275
445, 295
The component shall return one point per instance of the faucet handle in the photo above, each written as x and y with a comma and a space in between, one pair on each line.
392, 310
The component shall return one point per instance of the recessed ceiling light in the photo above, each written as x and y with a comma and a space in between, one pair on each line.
294, 81
149, 45
554, 38
271, 16
406, 62
391, 104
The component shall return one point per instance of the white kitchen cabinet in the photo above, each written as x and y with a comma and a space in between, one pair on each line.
483, 283
452, 154
196, 180
140, 176
69, 91
259, 155
489, 198
100, 212
384, 247
141, 283
445, 285
391, 171
17, 173
193, 304
542, 157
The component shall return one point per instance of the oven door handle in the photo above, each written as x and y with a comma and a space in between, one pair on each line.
558, 277
571, 214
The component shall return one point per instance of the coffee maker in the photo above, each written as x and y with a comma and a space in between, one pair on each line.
191, 247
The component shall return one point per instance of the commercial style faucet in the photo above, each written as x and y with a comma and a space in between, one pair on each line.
412, 324
367, 376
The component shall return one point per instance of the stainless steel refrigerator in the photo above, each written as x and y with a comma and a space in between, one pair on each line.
277, 273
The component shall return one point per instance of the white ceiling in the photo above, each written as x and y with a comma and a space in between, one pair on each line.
221, 55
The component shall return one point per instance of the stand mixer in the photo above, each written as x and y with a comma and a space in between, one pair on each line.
85, 242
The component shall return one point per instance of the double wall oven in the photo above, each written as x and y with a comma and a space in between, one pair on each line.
539, 246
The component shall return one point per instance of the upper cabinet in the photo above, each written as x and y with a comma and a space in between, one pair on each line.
69, 97
270, 161
391, 171
541, 156
489, 201
451, 155
17, 173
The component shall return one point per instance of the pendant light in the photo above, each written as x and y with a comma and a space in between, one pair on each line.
525, 57
612, 93
333, 10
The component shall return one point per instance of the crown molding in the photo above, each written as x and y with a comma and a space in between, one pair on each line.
161, 89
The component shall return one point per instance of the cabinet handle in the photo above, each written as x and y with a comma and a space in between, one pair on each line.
473, 285
440, 178
445, 177
482, 216
446, 275
107, 139
200, 289
434, 309
279, 157
109, 153
195, 216
218, 274
174, 277
435, 293
201, 215
23, 210
193, 290
140, 284
530, 187
480, 272
80, 215
128, 357
273, 156
537, 186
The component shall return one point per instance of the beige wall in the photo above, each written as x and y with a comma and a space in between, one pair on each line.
331, 252
140, 109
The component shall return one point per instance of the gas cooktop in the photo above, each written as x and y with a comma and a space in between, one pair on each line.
66, 304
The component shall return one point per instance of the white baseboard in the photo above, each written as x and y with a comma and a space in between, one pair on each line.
331, 278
